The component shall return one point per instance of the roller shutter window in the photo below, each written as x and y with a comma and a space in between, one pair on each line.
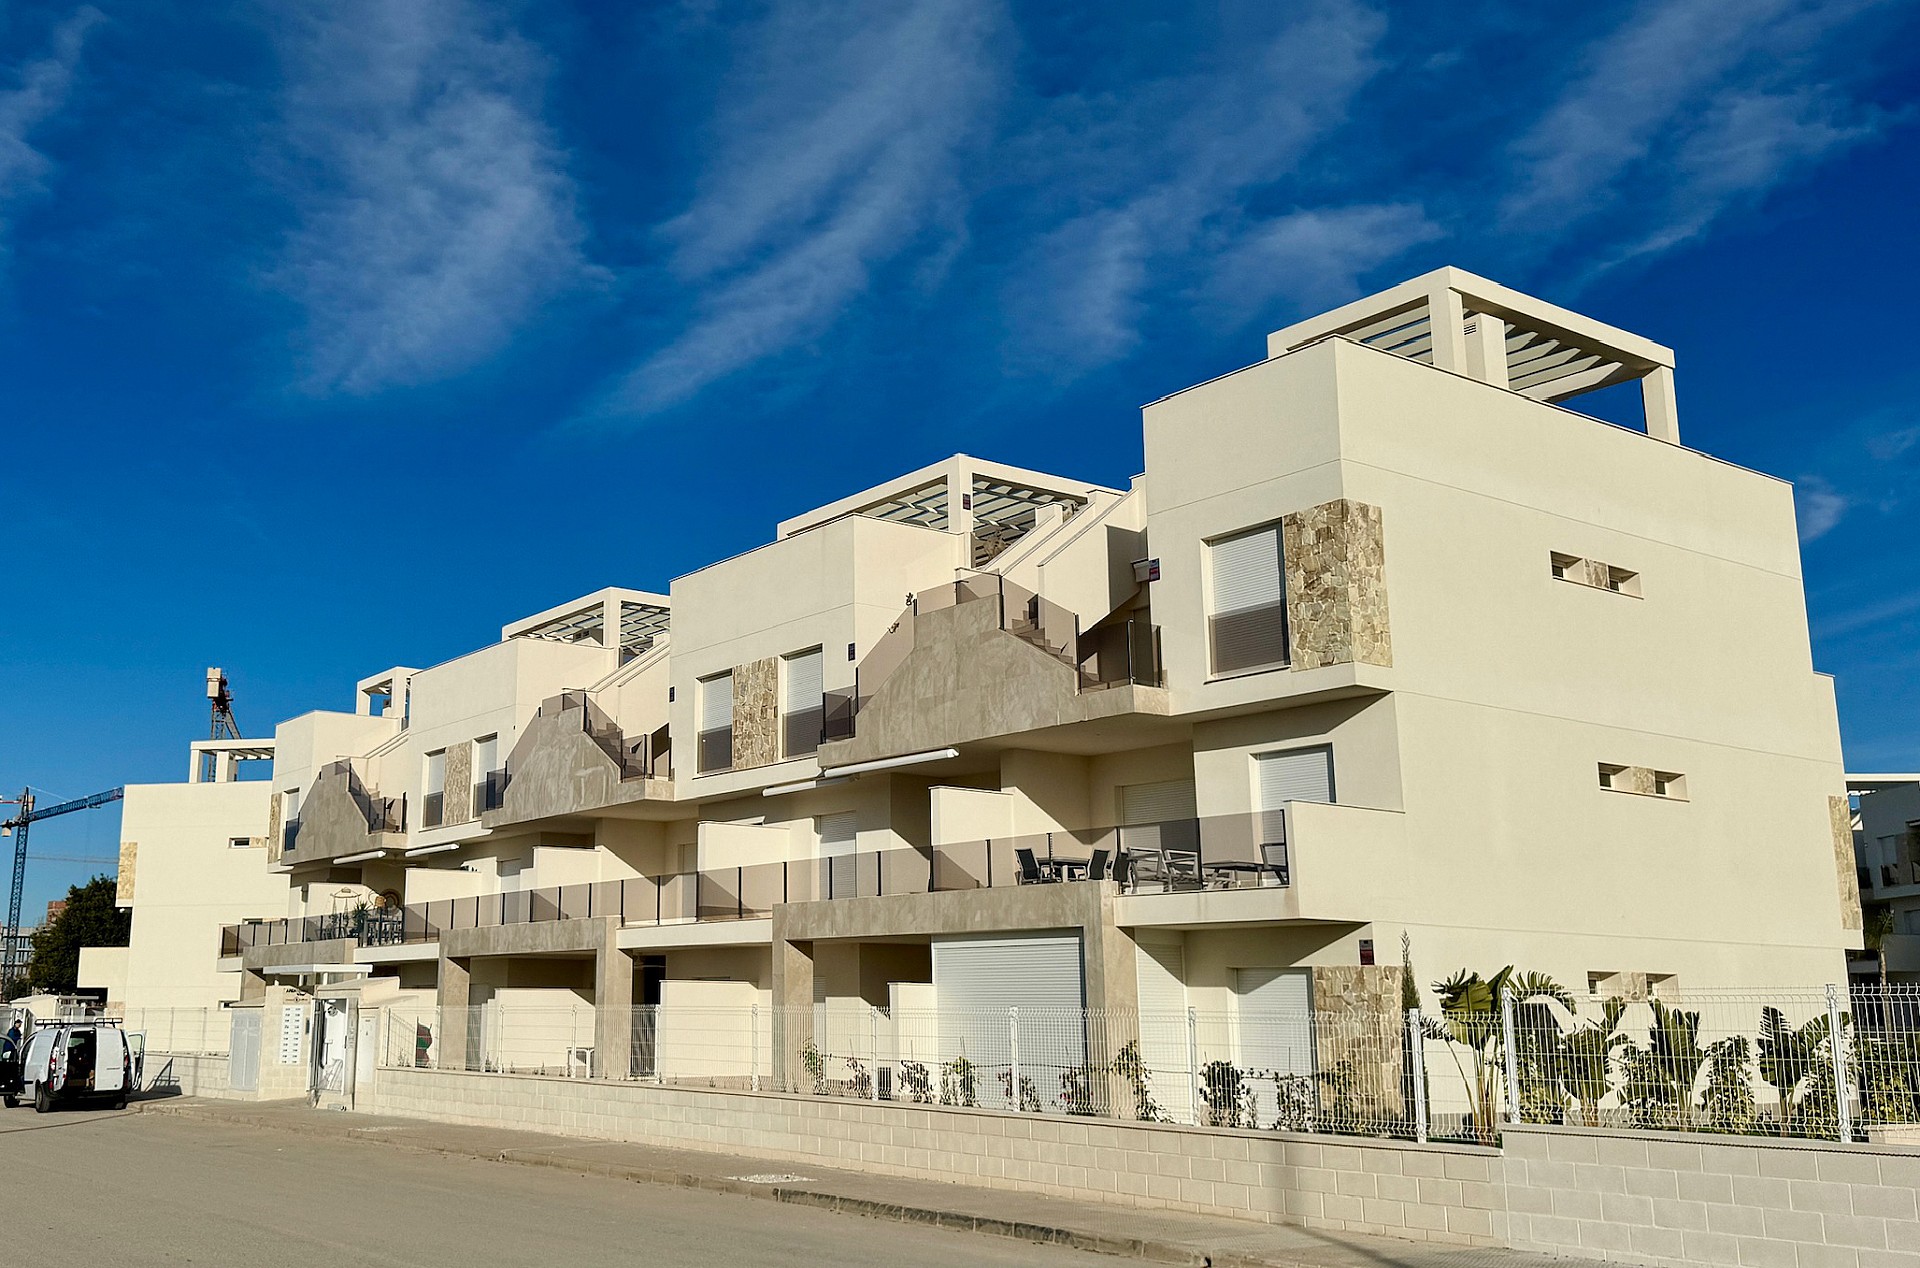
716, 722
1163, 1021
839, 862
1273, 1025
1157, 816
1247, 613
975, 982
801, 703
1303, 774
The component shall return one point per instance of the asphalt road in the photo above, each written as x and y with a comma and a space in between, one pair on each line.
95, 1187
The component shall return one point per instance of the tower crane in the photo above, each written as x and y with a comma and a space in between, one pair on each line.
16, 827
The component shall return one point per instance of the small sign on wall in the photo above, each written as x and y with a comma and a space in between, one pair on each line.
1366, 951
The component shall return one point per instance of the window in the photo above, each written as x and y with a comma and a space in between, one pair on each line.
802, 703
1303, 774
433, 783
1247, 607
239, 843
716, 723
1643, 781
838, 833
1594, 574
489, 784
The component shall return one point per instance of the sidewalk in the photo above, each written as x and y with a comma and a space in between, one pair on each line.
1168, 1237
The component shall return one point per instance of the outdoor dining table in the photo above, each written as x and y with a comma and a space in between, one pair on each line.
1226, 870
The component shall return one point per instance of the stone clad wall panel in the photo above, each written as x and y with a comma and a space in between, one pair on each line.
1335, 560
459, 790
756, 720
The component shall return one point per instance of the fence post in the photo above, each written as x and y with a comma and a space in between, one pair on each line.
1512, 1060
873, 1050
753, 1046
1193, 1066
1013, 1057
1417, 1059
1837, 1045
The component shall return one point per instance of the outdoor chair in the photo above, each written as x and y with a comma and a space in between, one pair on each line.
1030, 873
1097, 865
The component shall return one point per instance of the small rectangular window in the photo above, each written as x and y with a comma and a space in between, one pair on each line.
1670, 784
716, 723
239, 843
1621, 581
1608, 774
433, 784
1564, 565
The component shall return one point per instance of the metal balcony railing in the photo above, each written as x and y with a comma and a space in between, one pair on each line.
1219, 852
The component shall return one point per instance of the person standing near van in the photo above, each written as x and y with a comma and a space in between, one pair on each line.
10, 1046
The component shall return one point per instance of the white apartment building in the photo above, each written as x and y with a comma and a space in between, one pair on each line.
1386, 641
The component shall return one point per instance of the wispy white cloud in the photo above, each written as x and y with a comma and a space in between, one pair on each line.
1821, 507
1316, 257
435, 211
1689, 109
1178, 159
31, 94
837, 152
1868, 616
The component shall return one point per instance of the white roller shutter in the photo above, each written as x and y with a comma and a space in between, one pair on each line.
839, 833
1273, 1030
716, 703
803, 682
975, 982
1158, 816
1163, 1021
1247, 608
1296, 775
1157, 803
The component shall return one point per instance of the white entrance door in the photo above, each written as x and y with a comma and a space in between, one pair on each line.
243, 1056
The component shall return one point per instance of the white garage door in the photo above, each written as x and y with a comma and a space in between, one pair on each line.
975, 982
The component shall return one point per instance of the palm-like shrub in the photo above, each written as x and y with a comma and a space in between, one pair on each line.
1660, 1078
1788, 1056
1470, 1018
1586, 1059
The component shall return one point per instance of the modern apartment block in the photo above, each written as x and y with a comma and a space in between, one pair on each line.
1887, 856
1387, 642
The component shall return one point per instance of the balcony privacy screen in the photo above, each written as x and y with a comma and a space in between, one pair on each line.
716, 723
802, 704
1247, 620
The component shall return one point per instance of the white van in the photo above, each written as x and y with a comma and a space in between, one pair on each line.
76, 1061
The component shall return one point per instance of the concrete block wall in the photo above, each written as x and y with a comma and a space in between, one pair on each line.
1438, 1193
187, 1074
1676, 1198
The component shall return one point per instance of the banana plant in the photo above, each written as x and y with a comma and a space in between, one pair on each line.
1470, 1019
1661, 1077
1587, 1056
1788, 1055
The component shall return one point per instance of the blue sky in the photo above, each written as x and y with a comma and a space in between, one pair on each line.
336, 335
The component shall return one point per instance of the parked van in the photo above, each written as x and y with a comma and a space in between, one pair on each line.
69, 1061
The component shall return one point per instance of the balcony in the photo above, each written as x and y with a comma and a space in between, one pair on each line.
491, 792
573, 759
1227, 868
340, 816
984, 658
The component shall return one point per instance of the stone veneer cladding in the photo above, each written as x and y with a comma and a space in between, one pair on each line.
1362, 1002
1335, 560
458, 803
756, 721
274, 841
123, 883
1841, 815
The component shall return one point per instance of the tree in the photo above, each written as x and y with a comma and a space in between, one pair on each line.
1879, 927
1470, 1018
90, 920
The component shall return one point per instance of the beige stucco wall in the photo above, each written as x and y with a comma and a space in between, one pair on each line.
192, 881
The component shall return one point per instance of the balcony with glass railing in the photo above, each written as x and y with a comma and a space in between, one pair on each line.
340, 816
1236, 868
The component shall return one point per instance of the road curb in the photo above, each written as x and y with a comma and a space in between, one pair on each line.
1145, 1249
